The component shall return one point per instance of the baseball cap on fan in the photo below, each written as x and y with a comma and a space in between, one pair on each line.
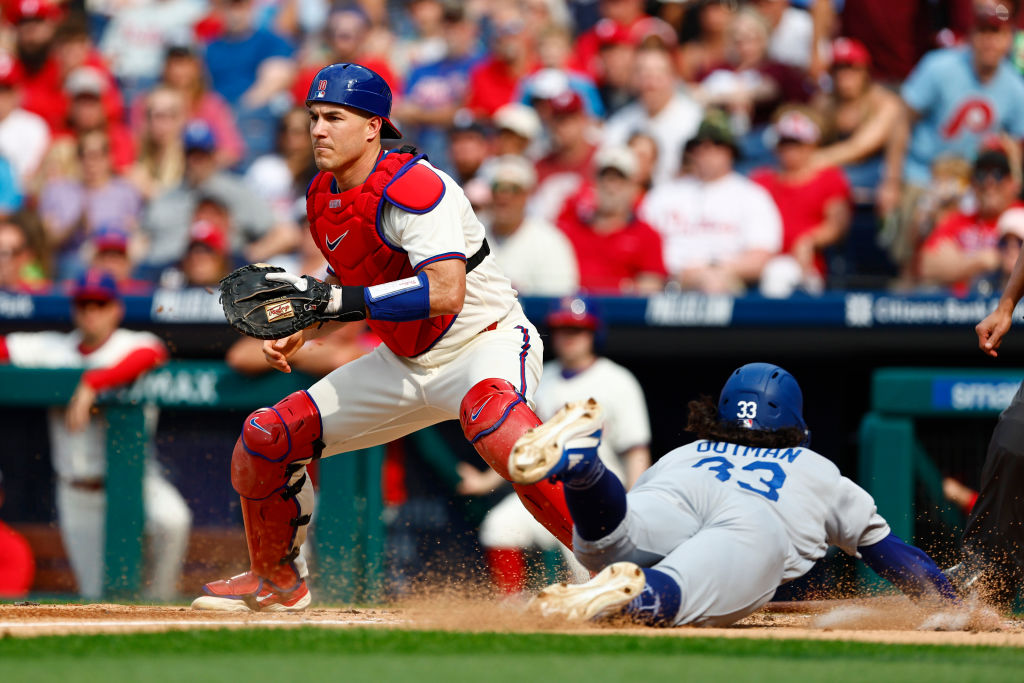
618, 158
1011, 222
991, 17
518, 118
198, 136
208, 235
32, 10
85, 80
850, 52
795, 125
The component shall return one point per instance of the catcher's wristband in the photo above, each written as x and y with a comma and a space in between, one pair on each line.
400, 300
347, 303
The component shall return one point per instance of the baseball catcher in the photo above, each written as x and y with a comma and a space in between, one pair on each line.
407, 254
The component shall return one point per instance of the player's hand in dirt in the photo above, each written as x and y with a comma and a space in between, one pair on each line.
475, 482
80, 407
278, 351
992, 329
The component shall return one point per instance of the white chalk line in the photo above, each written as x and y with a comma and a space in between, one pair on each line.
134, 623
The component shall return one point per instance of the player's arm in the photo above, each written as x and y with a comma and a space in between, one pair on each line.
994, 327
907, 567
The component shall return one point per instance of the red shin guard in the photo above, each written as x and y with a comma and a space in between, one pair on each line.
494, 415
267, 470
508, 569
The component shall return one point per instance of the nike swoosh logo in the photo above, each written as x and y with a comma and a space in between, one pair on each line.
258, 426
333, 244
476, 413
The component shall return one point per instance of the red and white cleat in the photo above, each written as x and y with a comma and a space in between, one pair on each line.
250, 593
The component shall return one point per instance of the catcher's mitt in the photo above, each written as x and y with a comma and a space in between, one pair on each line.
267, 309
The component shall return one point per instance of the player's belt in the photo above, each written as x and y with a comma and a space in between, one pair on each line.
477, 258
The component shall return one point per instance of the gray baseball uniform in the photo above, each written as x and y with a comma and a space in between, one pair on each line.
730, 523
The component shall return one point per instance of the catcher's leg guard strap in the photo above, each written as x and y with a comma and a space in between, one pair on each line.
275, 527
494, 415
275, 443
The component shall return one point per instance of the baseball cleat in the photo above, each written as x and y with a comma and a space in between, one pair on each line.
606, 594
566, 442
250, 593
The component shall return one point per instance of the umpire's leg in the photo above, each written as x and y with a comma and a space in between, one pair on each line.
995, 529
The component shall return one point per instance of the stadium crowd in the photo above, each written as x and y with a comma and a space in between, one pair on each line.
617, 146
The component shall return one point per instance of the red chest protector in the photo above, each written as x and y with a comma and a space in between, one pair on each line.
346, 228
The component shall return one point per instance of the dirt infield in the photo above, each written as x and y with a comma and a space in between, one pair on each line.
883, 620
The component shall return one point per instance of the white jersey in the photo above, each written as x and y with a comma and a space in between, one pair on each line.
701, 223
538, 258
451, 229
626, 423
816, 505
76, 455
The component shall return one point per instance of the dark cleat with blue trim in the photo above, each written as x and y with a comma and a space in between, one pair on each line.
562, 446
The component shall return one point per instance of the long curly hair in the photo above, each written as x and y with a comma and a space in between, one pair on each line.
703, 421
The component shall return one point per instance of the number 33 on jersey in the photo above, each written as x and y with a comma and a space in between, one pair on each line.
763, 476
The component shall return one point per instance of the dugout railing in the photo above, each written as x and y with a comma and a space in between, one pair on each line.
350, 533
894, 463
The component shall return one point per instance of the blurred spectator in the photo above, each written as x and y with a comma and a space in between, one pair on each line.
616, 15
813, 202
562, 172
517, 128
434, 91
1011, 237
469, 146
427, 43
616, 252
74, 208
664, 111
719, 228
704, 35
964, 246
206, 261
10, 188
135, 40
22, 259
110, 357
35, 24
532, 252
494, 81
896, 34
282, 178
346, 31
859, 115
547, 83
161, 159
109, 249
792, 33
248, 65
72, 51
956, 99
751, 85
617, 50
165, 221
183, 71
24, 136
645, 151
252, 69
17, 565
87, 86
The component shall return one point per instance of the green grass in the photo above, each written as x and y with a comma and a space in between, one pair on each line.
312, 654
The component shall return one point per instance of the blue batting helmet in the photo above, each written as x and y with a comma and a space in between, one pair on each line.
763, 396
354, 86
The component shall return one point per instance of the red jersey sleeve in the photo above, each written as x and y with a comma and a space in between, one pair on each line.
127, 370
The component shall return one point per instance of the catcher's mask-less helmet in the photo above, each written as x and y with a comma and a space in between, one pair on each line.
763, 396
354, 86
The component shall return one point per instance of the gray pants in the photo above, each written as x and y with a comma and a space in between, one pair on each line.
726, 549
